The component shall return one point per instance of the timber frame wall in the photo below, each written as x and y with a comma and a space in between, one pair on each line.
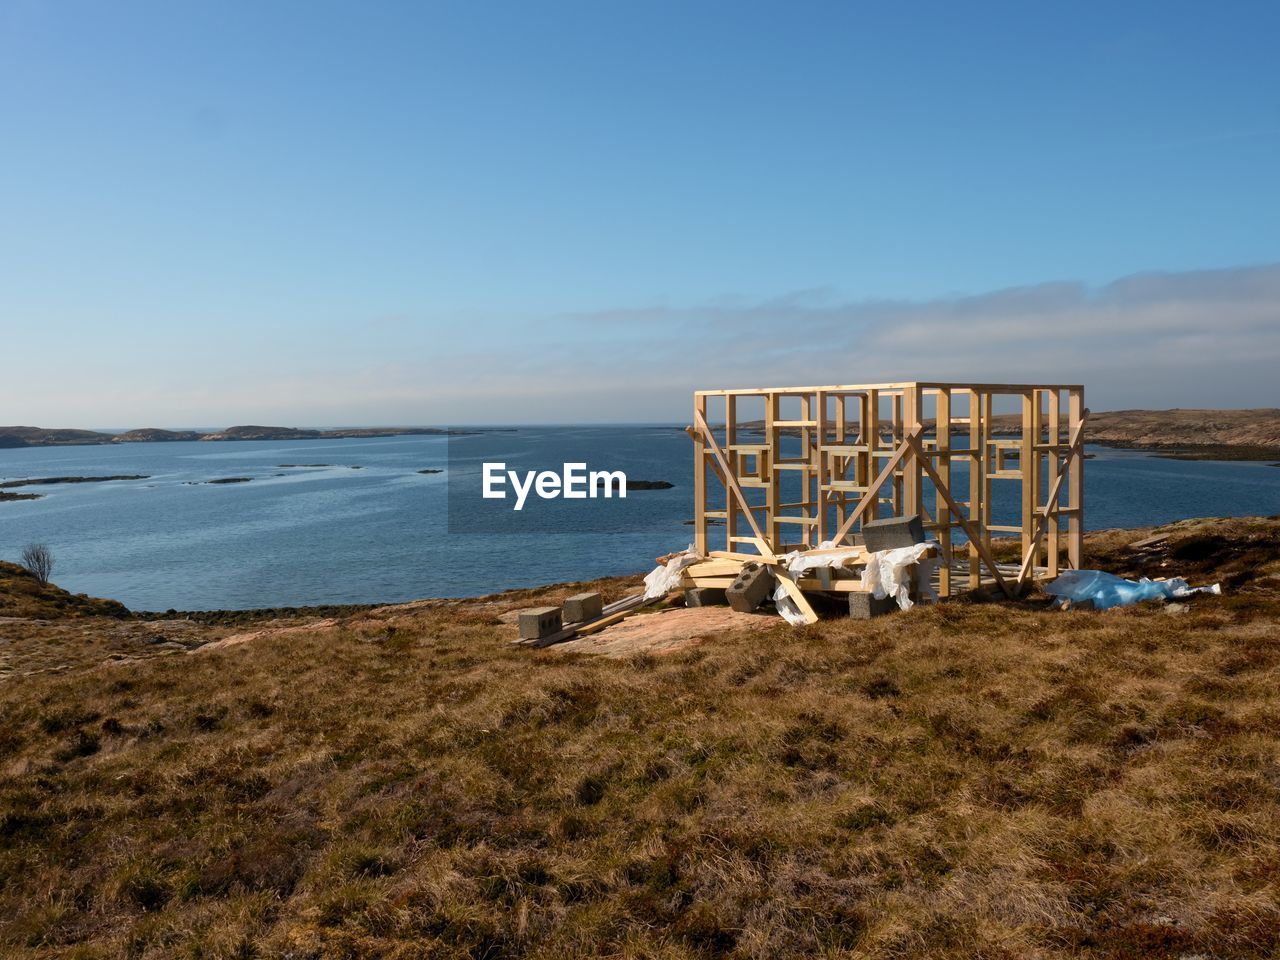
854, 453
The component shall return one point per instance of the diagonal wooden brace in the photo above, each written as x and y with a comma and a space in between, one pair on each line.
1075, 448
974, 536
869, 497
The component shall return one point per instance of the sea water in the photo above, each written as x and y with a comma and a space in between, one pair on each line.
297, 536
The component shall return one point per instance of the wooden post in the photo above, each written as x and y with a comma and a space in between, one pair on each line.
1026, 461
730, 438
1075, 487
977, 481
820, 531
942, 431
871, 430
773, 495
699, 479
912, 487
1055, 458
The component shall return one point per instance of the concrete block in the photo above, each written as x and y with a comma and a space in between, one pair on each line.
864, 606
892, 533
539, 622
583, 606
705, 597
750, 588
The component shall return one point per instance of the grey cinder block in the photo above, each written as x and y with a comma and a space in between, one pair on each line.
583, 606
750, 588
705, 597
539, 622
864, 606
892, 533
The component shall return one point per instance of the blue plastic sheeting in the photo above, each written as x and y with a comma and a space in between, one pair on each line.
1106, 590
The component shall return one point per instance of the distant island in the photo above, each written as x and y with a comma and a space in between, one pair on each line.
11, 437
1184, 434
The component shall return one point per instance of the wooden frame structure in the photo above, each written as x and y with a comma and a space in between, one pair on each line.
799, 468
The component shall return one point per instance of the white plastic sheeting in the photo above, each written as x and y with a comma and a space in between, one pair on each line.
826, 555
798, 563
666, 577
787, 607
885, 574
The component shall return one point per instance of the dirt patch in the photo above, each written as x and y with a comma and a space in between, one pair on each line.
238, 638
665, 631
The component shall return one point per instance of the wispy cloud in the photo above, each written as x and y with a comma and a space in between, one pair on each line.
1198, 338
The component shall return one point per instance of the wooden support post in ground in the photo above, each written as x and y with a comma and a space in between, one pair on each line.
700, 479
943, 514
1075, 486
1026, 461
1055, 439
1074, 453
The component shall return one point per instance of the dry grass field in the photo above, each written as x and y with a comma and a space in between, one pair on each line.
974, 779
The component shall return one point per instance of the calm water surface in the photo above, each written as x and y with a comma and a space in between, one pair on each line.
334, 534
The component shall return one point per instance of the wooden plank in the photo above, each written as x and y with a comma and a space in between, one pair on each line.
772, 413
1075, 487
595, 626
977, 465
1030, 492
1054, 547
795, 593
942, 440
731, 443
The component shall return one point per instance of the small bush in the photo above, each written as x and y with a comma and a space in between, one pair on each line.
37, 558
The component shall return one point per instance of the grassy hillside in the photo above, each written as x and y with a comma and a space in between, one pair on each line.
22, 595
967, 780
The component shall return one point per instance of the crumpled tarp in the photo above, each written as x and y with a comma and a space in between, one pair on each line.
885, 574
787, 607
1106, 590
666, 577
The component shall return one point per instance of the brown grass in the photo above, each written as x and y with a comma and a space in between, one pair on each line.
968, 780
22, 595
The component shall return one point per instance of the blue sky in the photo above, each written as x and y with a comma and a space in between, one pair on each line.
467, 212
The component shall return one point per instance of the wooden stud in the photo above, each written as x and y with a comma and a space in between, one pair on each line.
1075, 486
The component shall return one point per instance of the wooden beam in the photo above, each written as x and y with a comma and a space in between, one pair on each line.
1075, 487
795, 593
